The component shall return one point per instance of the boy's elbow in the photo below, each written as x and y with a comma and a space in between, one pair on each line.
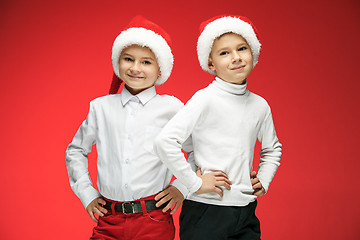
166, 144
159, 144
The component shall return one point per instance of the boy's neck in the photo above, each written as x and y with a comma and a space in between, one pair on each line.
135, 91
238, 89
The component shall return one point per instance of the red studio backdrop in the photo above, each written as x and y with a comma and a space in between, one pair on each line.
55, 58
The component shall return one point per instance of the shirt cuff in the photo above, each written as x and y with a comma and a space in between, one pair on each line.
88, 195
196, 185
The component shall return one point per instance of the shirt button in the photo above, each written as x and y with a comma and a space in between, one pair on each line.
127, 160
126, 185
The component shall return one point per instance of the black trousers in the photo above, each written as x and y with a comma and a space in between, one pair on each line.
202, 221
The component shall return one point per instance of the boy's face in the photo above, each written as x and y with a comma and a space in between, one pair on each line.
231, 58
138, 68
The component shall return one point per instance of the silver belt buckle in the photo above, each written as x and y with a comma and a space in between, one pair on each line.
123, 207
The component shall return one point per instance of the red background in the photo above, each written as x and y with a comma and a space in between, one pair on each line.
55, 58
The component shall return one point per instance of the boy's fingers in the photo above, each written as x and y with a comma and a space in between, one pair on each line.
228, 181
177, 205
257, 186
224, 184
98, 212
160, 195
101, 201
223, 179
219, 173
168, 206
198, 173
163, 200
103, 210
218, 191
93, 217
254, 181
259, 193
253, 174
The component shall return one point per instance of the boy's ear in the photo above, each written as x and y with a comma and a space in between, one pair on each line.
211, 65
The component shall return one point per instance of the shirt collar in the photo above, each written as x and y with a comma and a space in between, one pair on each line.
238, 89
143, 96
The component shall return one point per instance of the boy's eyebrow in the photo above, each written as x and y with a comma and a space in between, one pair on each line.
148, 58
222, 49
226, 48
244, 44
126, 54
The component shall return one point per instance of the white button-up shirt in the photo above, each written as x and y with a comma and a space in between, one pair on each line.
123, 127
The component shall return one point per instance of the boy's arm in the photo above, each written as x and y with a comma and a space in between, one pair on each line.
77, 160
168, 146
189, 149
169, 142
270, 153
176, 192
187, 146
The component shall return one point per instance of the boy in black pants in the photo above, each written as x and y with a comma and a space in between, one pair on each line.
224, 120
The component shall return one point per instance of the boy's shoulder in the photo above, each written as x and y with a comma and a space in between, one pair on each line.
259, 102
168, 99
106, 98
201, 98
202, 93
257, 97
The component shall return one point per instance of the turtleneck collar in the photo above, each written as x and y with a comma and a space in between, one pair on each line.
236, 89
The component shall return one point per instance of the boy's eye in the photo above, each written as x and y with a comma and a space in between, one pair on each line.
242, 49
147, 62
223, 53
128, 59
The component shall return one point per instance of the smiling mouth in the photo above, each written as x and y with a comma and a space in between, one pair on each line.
238, 68
135, 77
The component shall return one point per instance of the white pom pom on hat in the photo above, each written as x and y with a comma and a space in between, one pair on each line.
145, 33
219, 25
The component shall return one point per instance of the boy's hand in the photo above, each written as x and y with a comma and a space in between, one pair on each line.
259, 190
171, 194
212, 181
95, 207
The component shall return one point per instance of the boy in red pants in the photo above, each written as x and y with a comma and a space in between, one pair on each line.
123, 127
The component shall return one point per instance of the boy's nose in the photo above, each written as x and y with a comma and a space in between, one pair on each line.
236, 56
135, 67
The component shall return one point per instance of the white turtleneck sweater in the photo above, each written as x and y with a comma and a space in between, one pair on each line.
224, 121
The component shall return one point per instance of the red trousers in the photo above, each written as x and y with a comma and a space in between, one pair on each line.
140, 226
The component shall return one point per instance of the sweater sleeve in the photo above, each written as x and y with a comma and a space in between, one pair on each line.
169, 142
77, 160
188, 148
270, 153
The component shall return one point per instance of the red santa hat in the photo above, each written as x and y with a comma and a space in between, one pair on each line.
219, 25
144, 33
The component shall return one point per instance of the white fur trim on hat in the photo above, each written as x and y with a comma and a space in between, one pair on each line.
144, 38
219, 27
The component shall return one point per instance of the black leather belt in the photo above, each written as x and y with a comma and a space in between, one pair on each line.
132, 207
